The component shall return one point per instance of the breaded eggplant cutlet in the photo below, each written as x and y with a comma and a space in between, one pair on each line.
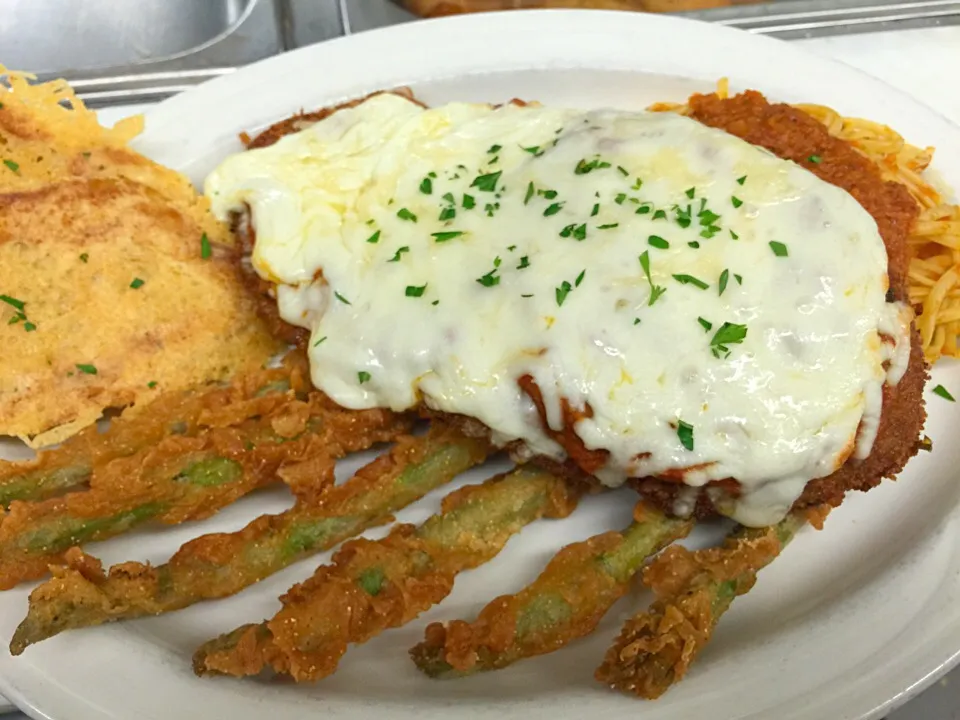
790, 134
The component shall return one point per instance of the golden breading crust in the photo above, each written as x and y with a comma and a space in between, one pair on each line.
793, 135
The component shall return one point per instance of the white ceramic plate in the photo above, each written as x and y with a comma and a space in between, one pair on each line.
849, 623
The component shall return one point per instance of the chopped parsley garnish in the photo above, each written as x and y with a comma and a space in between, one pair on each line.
415, 290
944, 393
695, 245
375, 238
741, 180
636, 321
709, 232
342, 299
435, 302
205, 250
426, 186
12, 165
658, 242
660, 215
580, 232
707, 217
728, 334
152, 384
444, 236
405, 214
363, 376
623, 170
655, 290
29, 326
620, 198
608, 226
447, 214
488, 182
553, 209
398, 253
735, 201
691, 280
87, 369
706, 324
562, 292
734, 235
137, 283
527, 296
724, 278
579, 279
448, 197
690, 192
491, 278
524, 263
683, 217
84, 257
738, 278
779, 249
530, 191
644, 209
596, 210
534, 150
494, 149
685, 434
13, 302
320, 341
815, 159
511, 248
548, 194
583, 167
637, 184
468, 202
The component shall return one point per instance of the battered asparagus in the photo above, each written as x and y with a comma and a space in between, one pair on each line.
564, 603
372, 586
218, 565
185, 478
179, 413
694, 590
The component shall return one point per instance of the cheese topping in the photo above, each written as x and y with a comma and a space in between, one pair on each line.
713, 311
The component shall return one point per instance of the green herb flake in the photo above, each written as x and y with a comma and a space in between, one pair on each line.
580, 232
534, 150
398, 253
87, 369
735, 201
738, 278
562, 292
13, 302
705, 324
579, 278
728, 334
447, 214
643, 209
660, 215
444, 236
741, 180
205, 250
620, 198
29, 326
12, 165
320, 341
342, 299
596, 210
468, 202
530, 191
623, 170
690, 192
426, 186
488, 182
724, 278
658, 242
553, 209
405, 214
608, 226
636, 321
490, 279
84, 257
363, 376
695, 245
375, 238
655, 290
548, 194
583, 167
524, 263
707, 217
815, 159
415, 290
685, 434
684, 279
734, 235
944, 393
152, 384
779, 249
137, 283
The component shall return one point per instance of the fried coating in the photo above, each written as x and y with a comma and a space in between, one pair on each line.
694, 589
182, 413
375, 585
221, 564
189, 478
793, 135
117, 282
564, 603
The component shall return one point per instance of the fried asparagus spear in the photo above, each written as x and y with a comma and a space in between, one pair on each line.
694, 589
375, 585
566, 602
187, 478
179, 413
221, 564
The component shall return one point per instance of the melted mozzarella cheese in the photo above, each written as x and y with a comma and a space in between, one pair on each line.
716, 311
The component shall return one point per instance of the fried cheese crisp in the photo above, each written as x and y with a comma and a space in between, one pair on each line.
115, 280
